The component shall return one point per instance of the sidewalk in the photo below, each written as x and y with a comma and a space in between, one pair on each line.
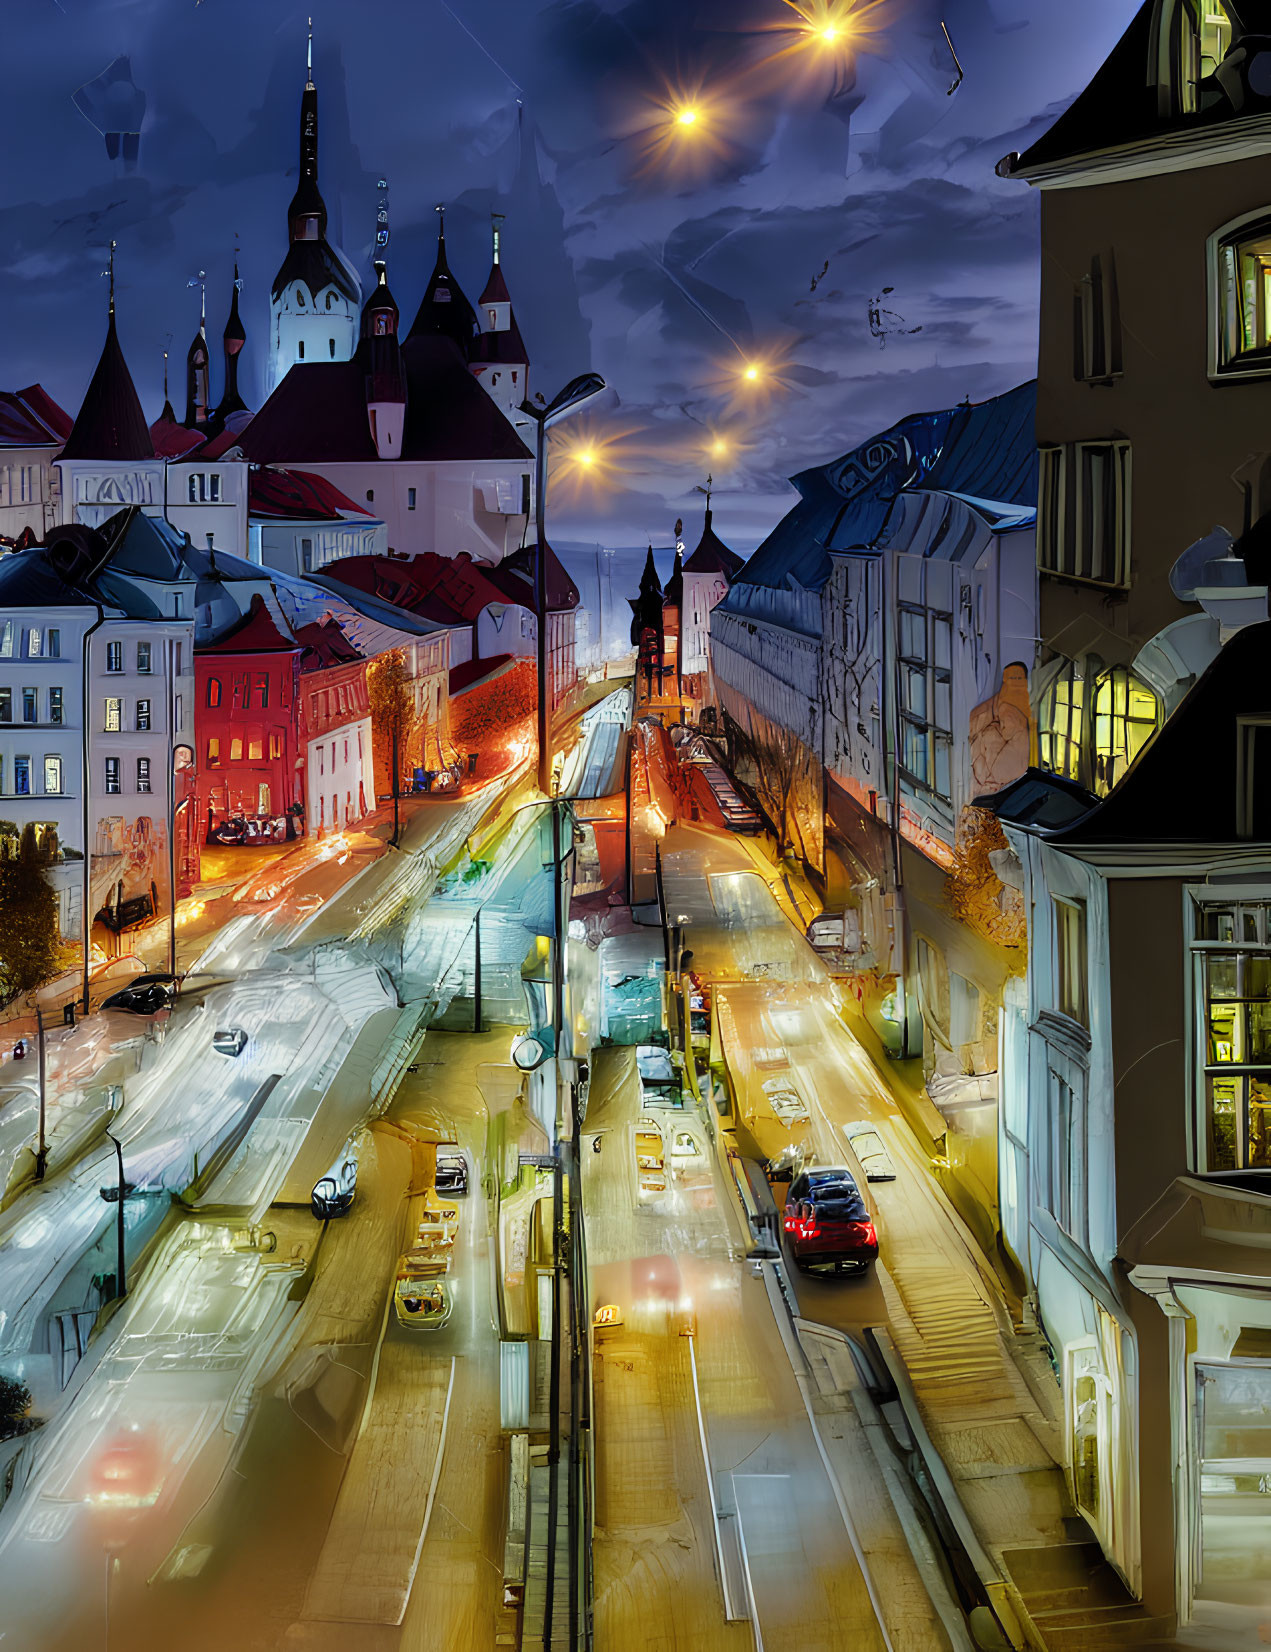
993, 1408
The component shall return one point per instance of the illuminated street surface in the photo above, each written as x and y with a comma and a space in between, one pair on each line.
673, 1266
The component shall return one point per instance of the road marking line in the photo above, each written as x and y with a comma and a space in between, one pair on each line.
432, 1491
729, 1612
745, 1570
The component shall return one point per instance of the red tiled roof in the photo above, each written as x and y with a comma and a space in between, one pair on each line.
325, 644
472, 672
318, 412
256, 633
172, 440
31, 418
419, 583
298, 495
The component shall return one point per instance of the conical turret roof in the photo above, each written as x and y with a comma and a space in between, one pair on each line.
110, 423
445, 309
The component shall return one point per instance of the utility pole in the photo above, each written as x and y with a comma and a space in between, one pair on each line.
41, 1152
121, 1276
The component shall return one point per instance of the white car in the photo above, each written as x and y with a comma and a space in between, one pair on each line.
868, 1147
787, 1105
229, 1041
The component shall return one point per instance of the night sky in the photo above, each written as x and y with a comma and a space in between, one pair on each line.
665, 257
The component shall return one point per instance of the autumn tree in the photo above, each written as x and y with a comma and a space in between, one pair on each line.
28, 917
394, 715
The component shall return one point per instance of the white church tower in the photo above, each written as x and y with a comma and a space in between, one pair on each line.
315, 305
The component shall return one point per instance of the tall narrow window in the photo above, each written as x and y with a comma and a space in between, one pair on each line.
236, 751
55, 705
143, 774
306, 555
112, 775
410, 499
143, 657
6, 705
1070, 959
22, 776
52, 776
213, 692
1098, 322
53, 643
113, 720
30, 705
1084, 512
34, 642
143, 715
1126, 715
213, 753
114, 657
6, 640
1233, 982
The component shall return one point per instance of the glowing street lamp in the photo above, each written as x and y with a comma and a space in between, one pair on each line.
686, 115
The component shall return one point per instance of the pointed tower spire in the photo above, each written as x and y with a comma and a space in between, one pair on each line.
444, 310
197, 400
110, 423
232, 341
167, 412
307, 214
309, 57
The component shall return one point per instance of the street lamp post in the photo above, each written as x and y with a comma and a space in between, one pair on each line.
121, 1277
568, 400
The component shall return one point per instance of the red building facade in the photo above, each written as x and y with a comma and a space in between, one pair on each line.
250, 756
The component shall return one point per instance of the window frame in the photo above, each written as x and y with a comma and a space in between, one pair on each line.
114, 701
114, 658
1063, 485
143, 774
1245, 364
114, 777
53, 762
1198, 900
1076, 1007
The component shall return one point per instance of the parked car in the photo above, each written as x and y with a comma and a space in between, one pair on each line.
333, 1193
659, 1081
229, 1041
422, 1298
142, 998
650, 1157
787, 1105
452, 1169
827, 1222
786, 1165
868, 1147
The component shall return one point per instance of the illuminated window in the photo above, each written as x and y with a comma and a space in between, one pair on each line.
255, 751
1240, 272
52, 775
34, 642
1126, 716
114, 715
1070, 959
260, 683
213, 753
1233, 988
1199, 33
236, 751
213, 691
275, 744
6, 640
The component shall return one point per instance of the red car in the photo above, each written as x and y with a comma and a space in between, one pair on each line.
827, 1222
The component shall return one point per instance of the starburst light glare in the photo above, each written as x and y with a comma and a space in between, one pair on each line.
686, 116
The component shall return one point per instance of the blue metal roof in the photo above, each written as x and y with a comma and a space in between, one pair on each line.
987, 453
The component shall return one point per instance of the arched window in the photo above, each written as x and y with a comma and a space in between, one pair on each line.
214, 691
330, 300
1127, 714
1194, 38
1061, 722
300, 299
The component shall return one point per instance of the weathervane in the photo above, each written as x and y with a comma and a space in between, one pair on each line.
710, 483
381, 219
200, 281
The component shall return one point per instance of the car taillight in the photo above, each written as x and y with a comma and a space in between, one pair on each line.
791, 1222
864, 1231
810, 1229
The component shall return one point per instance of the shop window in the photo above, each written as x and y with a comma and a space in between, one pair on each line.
1083, 529
1126, 715
1233, 1440
1233, 987
1071, 969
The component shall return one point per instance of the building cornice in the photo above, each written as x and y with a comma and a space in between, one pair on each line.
1184, 151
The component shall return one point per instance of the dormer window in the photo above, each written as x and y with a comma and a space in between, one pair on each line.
1194, 40
1240, 297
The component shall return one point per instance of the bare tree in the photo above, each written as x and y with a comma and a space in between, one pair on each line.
394, 716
